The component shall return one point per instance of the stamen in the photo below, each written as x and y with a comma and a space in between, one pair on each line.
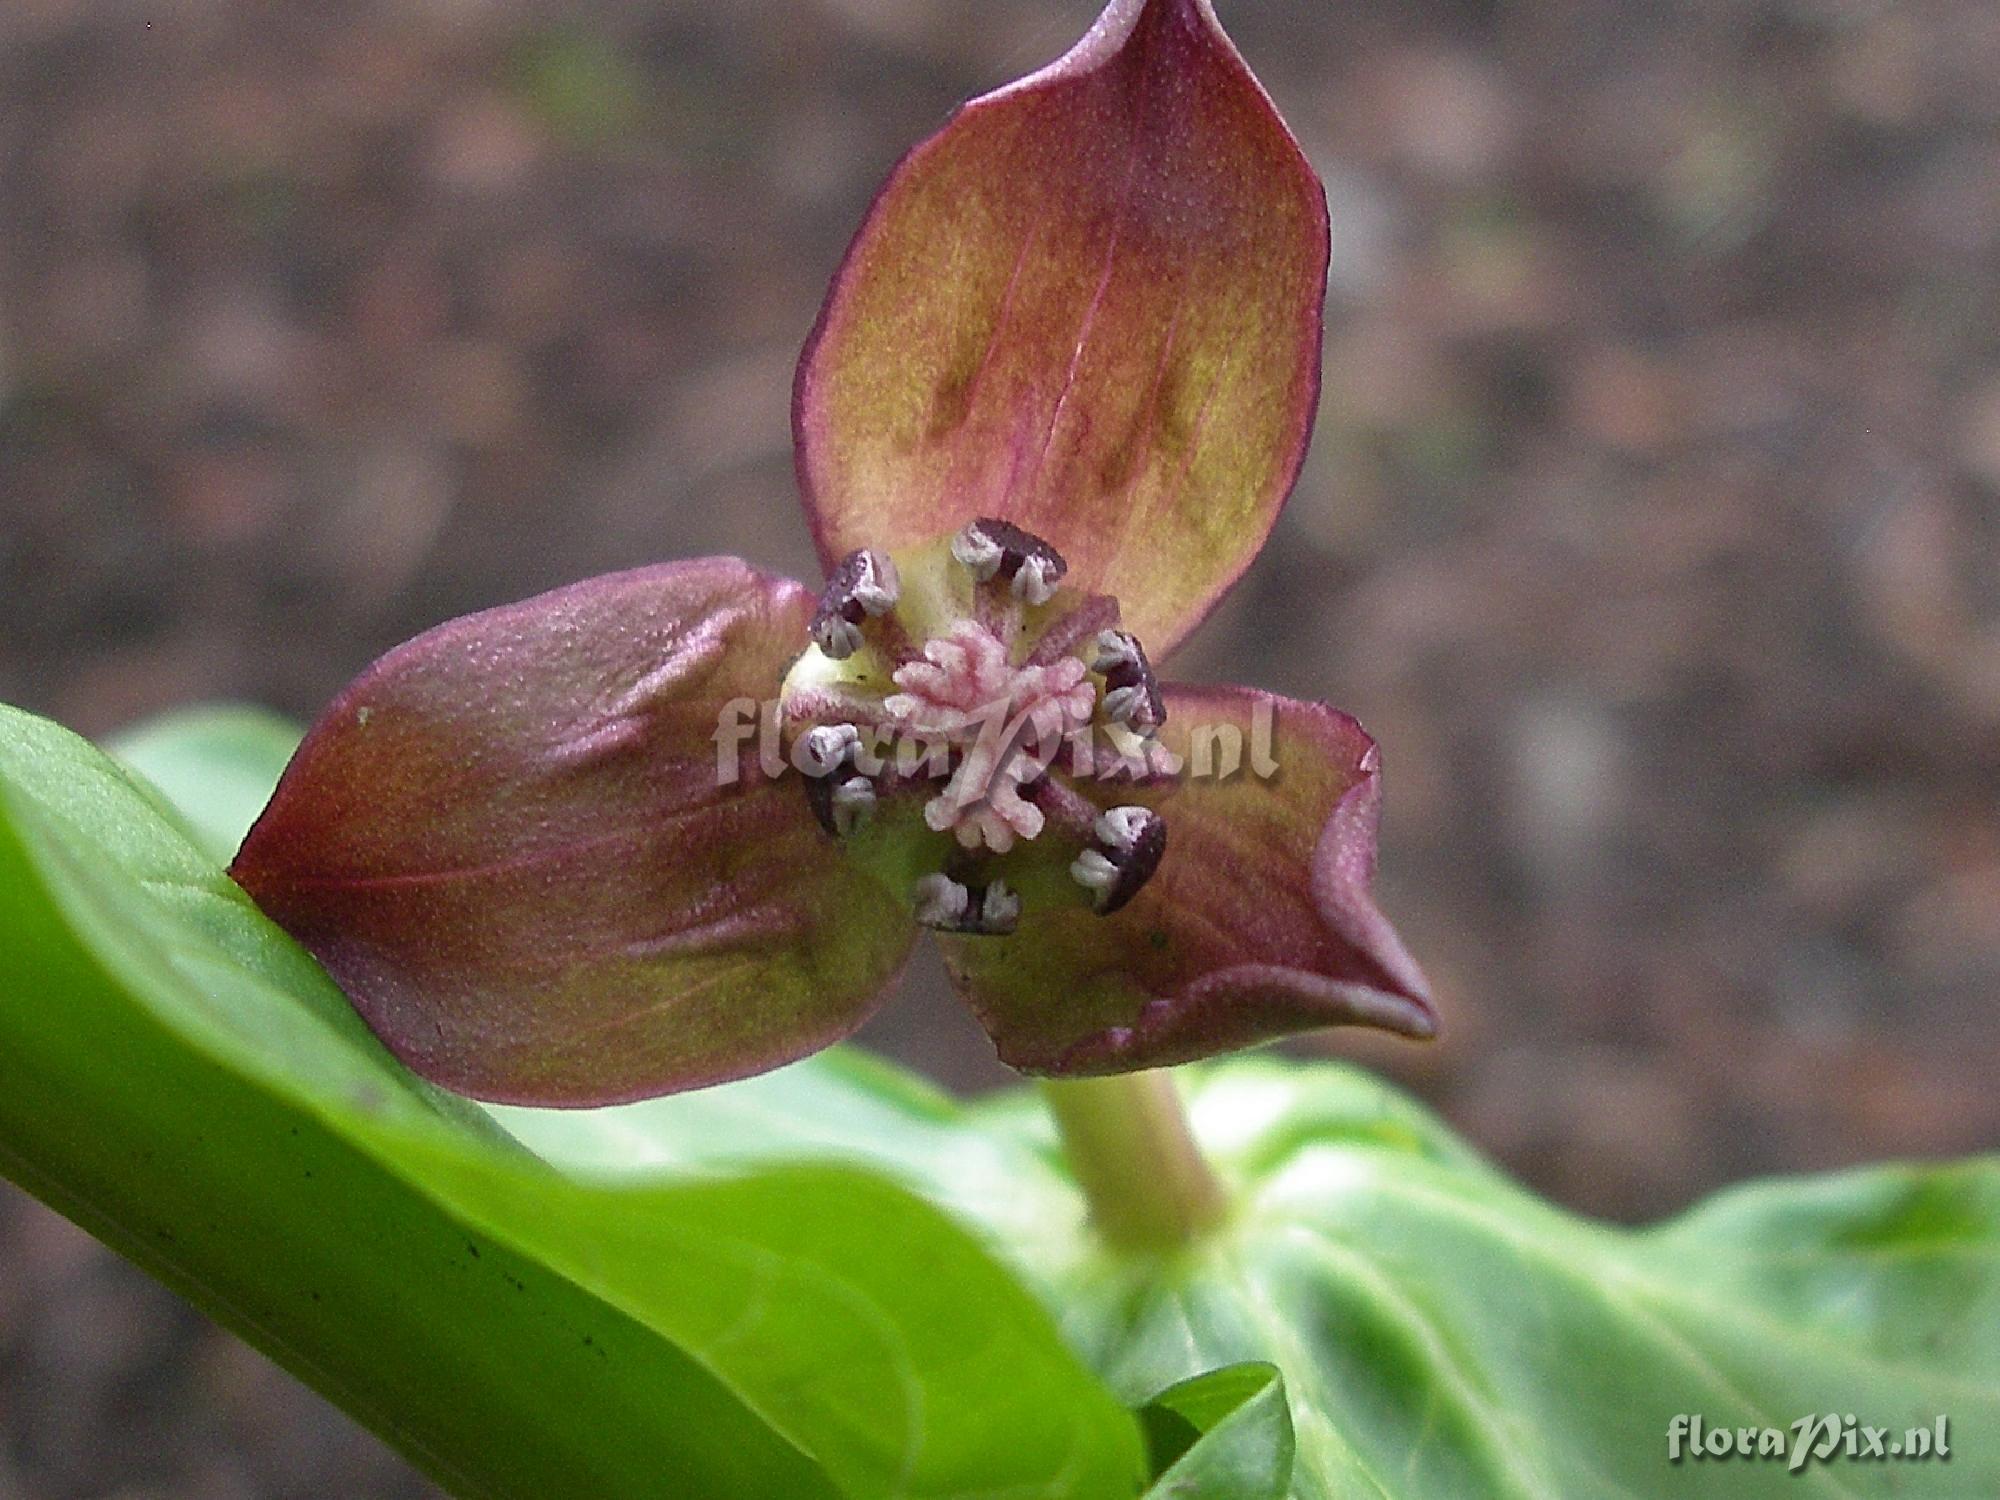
877, 585
1036, 581
1123, 829
1128, 845
1095, 873
977, 552
941, 903
838, 637
865, 585
992, 549
827, 747
1131, 691
841, 803
853, 803
947, 905
1000, 911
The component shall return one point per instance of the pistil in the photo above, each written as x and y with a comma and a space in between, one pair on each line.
965, 685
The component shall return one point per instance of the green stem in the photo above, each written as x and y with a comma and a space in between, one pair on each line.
1130, 1149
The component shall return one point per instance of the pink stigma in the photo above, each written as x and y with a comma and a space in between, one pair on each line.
1007, 722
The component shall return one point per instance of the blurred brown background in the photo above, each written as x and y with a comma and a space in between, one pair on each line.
1651, 526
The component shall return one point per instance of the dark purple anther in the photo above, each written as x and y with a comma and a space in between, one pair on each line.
840, 797
1127, 845
1000, 550
864, 584
1131, 691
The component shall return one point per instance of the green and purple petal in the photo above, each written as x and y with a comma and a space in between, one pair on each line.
514, 843
1258, 923
1090, 305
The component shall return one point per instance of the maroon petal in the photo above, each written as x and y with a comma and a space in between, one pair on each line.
1258, 922
509, 842
1090, 305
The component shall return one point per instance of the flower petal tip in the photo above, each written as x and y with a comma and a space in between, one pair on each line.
1258, 924
1091, 304
516, 845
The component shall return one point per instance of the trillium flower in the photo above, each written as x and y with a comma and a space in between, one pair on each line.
682, 824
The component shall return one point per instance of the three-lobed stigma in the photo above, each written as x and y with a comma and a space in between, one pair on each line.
965, 683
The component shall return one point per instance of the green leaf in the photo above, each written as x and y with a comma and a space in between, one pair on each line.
1441, 1334
182, 1080
215, 765
1224, 1434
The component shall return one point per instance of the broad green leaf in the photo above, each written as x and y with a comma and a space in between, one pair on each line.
1441, 1334
1228, 1432
186, 1083
216, 765
1444, 1334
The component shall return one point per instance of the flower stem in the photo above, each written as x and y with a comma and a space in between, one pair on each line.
1130, 1149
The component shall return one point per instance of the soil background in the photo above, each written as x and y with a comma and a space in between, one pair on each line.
1653, 524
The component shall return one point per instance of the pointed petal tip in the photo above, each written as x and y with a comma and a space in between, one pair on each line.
1259, 923
1425, 1025
512, 844
1091, 304
1407, 1014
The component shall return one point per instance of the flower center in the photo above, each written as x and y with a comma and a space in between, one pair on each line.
964, 682
1007, 722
